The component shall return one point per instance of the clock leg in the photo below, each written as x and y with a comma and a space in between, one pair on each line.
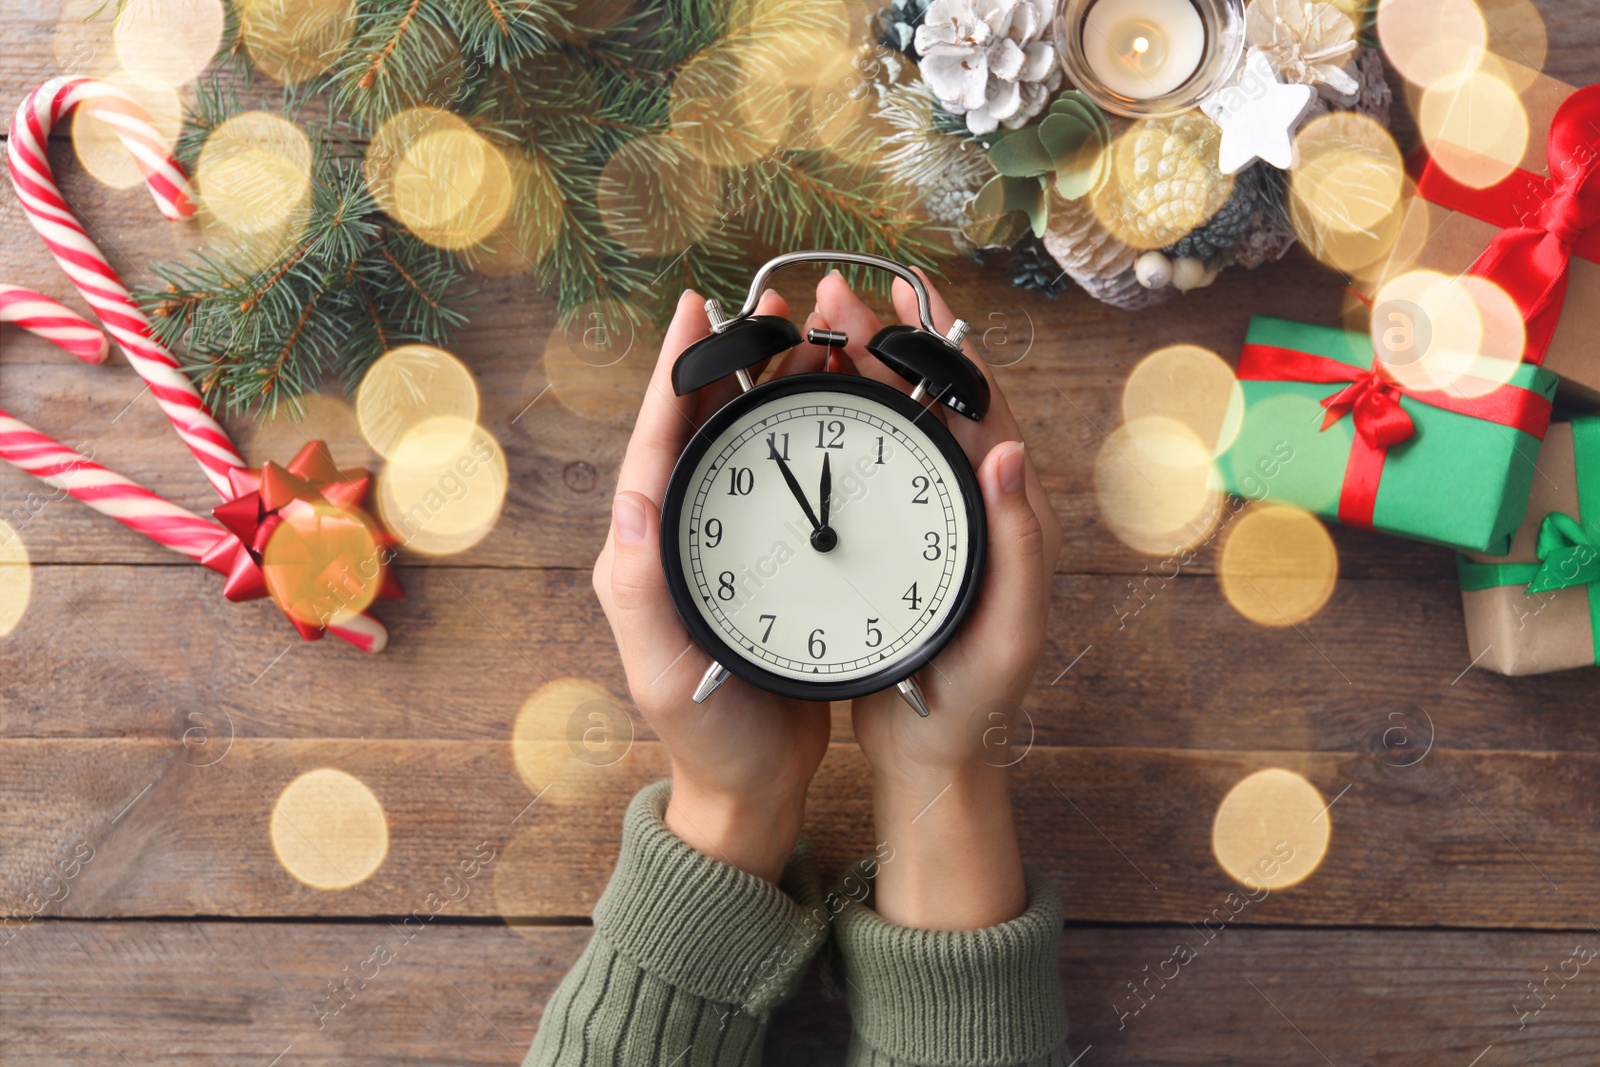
715, 675
913, 694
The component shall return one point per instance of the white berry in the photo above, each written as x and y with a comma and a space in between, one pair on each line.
1153, 270
1188, 273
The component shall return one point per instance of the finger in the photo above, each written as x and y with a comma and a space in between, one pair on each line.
719, 393
665, 421
1012, 605
844, 310
649, 633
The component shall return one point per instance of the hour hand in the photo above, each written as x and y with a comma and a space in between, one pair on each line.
794, 486
825, 492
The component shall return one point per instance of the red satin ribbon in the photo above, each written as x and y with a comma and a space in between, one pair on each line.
1543, 221
1372, 400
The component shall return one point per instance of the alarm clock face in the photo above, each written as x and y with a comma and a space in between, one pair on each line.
850, 608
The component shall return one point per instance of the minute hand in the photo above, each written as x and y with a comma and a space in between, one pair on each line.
794, 486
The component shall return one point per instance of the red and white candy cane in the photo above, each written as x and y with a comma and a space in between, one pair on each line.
80, 257
20, 444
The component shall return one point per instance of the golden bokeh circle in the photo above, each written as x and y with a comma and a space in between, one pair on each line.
568, 732
1475, 126
1153, 482
1517, 37
439, 177
1460, 333
94, 138
291, 41
1272, 829
254, 177
599, 364
1190, 385
724, 114
168, 41
322, 563
1428, 41
1278, 565
444, 485
656, 197
16, 578
328, 829
409, 385
1345, 194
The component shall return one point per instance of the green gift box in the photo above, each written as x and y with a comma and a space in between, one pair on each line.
1328, 428
1536, 608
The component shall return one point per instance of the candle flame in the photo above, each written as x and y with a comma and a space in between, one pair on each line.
1141, 45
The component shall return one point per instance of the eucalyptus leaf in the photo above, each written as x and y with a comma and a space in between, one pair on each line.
1020, 154
1005, 208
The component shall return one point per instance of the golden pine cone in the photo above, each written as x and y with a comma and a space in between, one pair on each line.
1163, 180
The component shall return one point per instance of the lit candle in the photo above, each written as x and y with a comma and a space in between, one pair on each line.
1143, 48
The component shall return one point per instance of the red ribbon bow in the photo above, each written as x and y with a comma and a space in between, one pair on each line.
1544, 221
1373, 403
321, 503
1372, 400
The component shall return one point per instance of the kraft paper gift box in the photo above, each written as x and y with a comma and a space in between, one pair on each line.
1324, 430
1535, 232
1535, 609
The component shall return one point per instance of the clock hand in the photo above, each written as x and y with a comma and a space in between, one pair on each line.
794, 486
825, 493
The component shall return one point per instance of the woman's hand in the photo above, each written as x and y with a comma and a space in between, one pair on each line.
741, 761
940, 785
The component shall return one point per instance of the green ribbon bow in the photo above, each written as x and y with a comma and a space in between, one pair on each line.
1568, 554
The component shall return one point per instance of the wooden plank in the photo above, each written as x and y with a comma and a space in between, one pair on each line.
151, 652
240, 993
1458, 838
564, 424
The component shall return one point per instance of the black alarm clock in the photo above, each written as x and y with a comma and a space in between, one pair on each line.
823, 534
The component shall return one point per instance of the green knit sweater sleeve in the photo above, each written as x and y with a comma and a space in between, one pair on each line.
938, 998
688, 959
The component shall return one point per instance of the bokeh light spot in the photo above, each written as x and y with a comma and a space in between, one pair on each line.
1345, 193
439, 176
94, 133
168, 41
1152, 479
1475, 127
444, 486
322, 564
1271, 830
16, 578
722, 113
1431, 40
291, 41
329, 830
569, 730
531, 229
1190, 385
1278, 565
1459, 333
409, 385
656, 197
254, 179
599, 364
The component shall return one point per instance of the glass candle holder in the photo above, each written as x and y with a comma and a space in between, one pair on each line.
1148, 58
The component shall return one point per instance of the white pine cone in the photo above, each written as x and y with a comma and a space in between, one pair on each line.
990, 60
1094, 257
1308, 41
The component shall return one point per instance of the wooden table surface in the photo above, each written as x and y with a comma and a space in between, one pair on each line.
143, 717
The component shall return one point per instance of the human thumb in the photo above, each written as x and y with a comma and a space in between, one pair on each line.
1016, 539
